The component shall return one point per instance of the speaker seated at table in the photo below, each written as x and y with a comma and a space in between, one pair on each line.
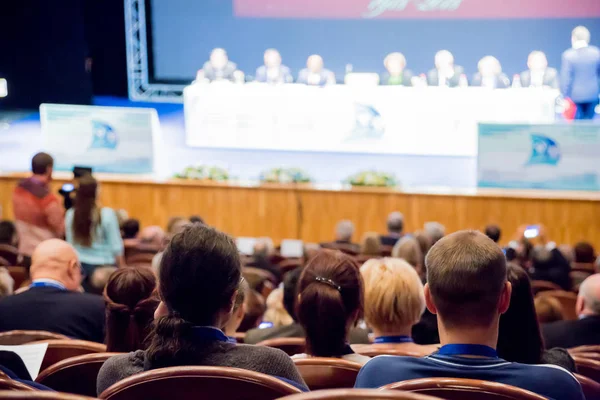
490, 74
445, 73
218, 67
273, 71
315, 73
538, 73
397, 74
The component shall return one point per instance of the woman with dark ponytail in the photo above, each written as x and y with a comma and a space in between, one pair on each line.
200, 272
330, 301
131, 300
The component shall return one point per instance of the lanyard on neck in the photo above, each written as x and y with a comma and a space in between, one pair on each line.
393, 339
51, 284
467, 350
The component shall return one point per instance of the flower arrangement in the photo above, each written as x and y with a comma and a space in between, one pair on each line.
204, 172
372, 178
285, 175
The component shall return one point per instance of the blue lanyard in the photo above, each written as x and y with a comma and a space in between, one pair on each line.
231, 339
208, 334
467, 350
393, 339
47, 284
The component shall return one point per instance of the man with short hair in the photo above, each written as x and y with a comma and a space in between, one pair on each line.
397, 74
467, 289
8, 234
315, 73
39, 214
493, 232
538, 74
273, 71
53, 302
395, 226
344, 230
261, 257
445, 73
586, 329
580, 73
434, 231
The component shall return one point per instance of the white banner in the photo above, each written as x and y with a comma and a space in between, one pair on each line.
341, 118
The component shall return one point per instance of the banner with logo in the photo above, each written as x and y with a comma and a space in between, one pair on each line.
108, 139
368, 9
553, 156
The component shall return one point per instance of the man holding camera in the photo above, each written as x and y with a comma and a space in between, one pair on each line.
39, 214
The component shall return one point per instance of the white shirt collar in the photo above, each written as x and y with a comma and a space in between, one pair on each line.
580, 44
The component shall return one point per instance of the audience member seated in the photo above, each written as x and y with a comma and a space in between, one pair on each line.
550, 265
53, 302
261, 257
467, 288
174, 226
93, 231
394, 302
13, 366
409, 250
370, 245
276, 314
330, 301
424, 242
493, 232
395, 226
255, 307
548, 309
39, 214
585, 255
238, 311
7, 283
10, 239
153, 237
344, 230
586, 329
131, 300
519, 337
196, 219
198, 282
435, 231
130, 229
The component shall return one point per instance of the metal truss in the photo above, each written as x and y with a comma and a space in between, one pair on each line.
140, 88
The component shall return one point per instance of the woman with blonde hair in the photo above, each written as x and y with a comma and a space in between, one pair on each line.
409, 249
276, 312
394, 302
370, 244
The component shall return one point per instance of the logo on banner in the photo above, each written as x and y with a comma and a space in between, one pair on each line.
543, 150
378, 7
368, 122
103, 136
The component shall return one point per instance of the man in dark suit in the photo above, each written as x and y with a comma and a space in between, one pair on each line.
290, 282
273, 71
218, 67
490, 74
539, 74
343, 238
52, 302
580, 73
395, 226
585, 330
445, 73
315, 73
397, 74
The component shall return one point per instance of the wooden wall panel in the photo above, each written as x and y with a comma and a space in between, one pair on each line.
310, 214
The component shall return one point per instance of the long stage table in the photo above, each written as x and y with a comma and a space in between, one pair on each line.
310, 213
433, 121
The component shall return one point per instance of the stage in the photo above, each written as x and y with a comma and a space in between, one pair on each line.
310, 212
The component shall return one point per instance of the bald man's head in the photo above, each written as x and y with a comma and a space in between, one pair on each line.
588, 302
56, 259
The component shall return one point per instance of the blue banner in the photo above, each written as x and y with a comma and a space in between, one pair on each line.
108, 139
555, 156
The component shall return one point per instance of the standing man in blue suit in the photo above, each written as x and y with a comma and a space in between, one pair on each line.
580, 73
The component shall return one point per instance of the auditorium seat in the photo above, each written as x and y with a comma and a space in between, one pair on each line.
19, 275
10, 384
386, 251
591, 388
131, 250
363, 258
567, 301
59, 350
289, 345
11, 338
75, 375
578, 275
184, 383
10, 254
140, 260
41, 395
591, 348
464, 389
289, 264
358, 394
587, 367
4, 262
541, 286
328, 373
